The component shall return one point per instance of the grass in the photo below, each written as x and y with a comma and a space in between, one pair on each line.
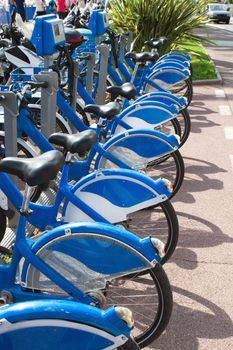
203, 67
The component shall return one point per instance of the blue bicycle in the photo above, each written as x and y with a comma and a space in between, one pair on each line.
96, 264
118, 196
123, 150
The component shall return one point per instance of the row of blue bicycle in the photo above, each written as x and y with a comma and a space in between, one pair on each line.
84, 270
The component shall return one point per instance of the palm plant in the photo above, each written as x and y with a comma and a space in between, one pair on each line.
178, 20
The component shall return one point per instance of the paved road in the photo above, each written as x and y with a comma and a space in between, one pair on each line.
201, 271
223, 26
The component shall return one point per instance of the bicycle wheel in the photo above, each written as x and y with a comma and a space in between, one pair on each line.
185, 125
82, 114
149, 297
170, 167
2, 224
23, 152
35, 116
183, 88
157, 221
170, 127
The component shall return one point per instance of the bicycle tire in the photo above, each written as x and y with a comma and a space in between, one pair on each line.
189, 92
158, 221
148, 295
160, 166
60, 127
183, 88
82, 113
143, 312
172, 126
169, 166
22, 152
185, 125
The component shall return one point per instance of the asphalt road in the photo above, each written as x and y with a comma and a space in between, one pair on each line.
223, 26
201, 270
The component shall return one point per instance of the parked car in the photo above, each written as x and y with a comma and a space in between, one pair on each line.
218, 12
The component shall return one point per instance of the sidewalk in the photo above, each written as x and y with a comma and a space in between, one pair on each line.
201, 270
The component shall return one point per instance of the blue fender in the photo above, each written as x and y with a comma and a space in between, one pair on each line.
169, 75
178, 55
74, 311
57, 324
145, 114
171, 63
113, 194
164, 97
134, 148
95, 252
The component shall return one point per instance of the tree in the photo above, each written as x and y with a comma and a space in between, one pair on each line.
177, 20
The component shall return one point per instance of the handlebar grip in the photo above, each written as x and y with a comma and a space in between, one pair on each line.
38, 84
83, 57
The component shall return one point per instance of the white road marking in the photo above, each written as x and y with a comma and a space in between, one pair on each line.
228, 130
231, 159
219, 93
224, 110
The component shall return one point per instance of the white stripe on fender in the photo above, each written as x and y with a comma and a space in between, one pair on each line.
7, 327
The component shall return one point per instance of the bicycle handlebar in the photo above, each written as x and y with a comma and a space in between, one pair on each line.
38, 84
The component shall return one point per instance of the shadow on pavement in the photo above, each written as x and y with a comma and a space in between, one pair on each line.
196, 232
196, 179
199, 122
199, 318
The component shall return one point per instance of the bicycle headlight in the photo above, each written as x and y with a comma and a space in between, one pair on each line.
177, 138
168, 184
125, 314
159, 246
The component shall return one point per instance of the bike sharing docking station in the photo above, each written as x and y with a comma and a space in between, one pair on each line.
9, 105
97, 26
47, 35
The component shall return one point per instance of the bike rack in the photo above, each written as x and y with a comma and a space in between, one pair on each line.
9, 102
129, 42
10, 105
122, 47
48, 101
102, 84
90, 71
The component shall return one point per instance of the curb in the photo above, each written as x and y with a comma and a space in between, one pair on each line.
210, 81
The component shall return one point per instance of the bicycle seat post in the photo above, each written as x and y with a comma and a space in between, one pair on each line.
134, 72
25, 211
